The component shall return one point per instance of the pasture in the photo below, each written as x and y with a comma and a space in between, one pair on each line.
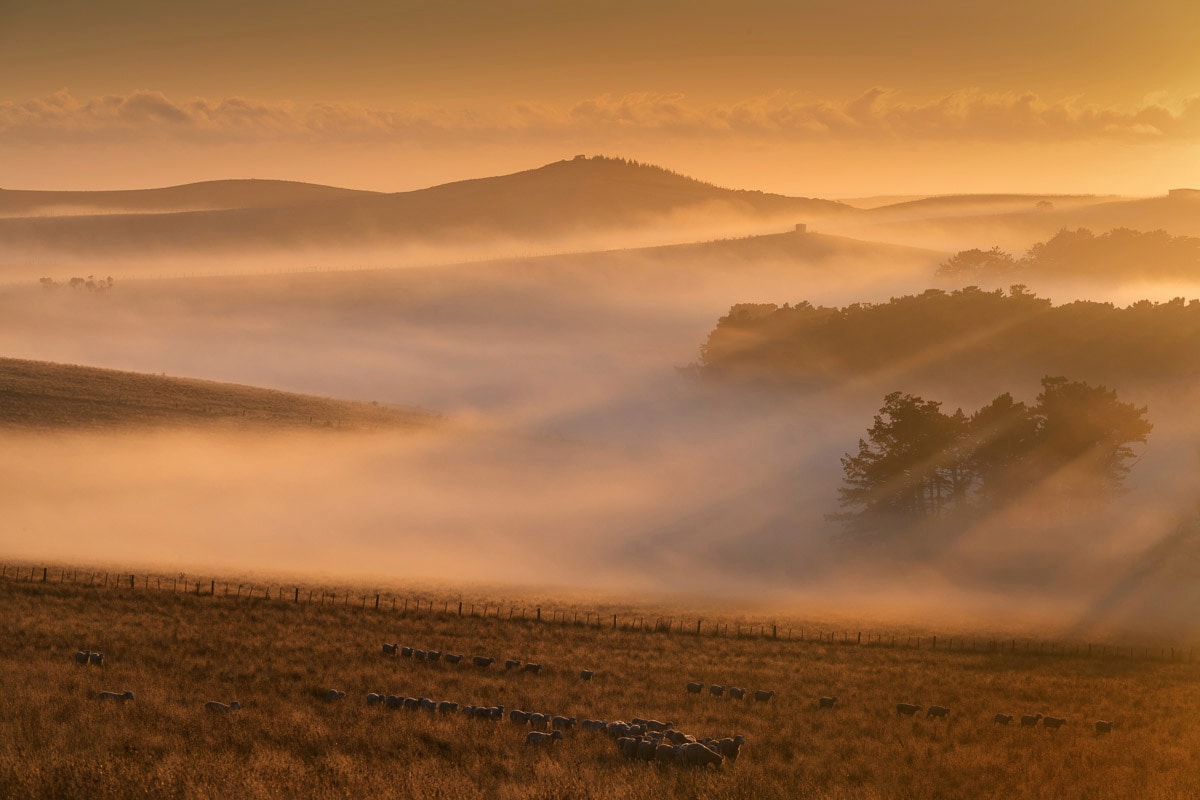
175, 652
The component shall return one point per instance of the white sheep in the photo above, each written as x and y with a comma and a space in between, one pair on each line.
763, 695
390, 649
82, 657
222, 708
118, 696
828, 702
1002, 719
586, 674
334, 694
940, 712
736, 693
907, 709
375, 698
716, 690
483, 662
1103, 726
697, 755
1053, 723
96, 659
1029, 720
695, 688
539, 738
562, 723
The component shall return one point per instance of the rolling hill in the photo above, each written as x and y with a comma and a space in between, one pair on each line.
541, 205
37, 395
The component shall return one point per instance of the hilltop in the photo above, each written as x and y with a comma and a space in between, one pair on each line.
559, 200
39, 395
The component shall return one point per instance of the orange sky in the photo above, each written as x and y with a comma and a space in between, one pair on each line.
816, 98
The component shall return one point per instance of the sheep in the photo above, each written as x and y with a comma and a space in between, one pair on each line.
539, 738
697, 755
82, 657
941, 712
537, 720
655, 725
393, 701
519, 717
532, 668
907, 709
427, 704
452, 659
406, 652
375, 698
118, 696
645, 750
737, 694
716, 690
96, 659
468, 711
562, 723
731, 747
1053, 723
1002, 719
586, 674
495, 712
334, 694
596, 725
433, 655
412, 703
222, 708
763, 695
419, 655
482, 662
511, 663
390, 649
828, 702
666, 753
1029, 720
628, 745
1103, 726
694, 687
447, 707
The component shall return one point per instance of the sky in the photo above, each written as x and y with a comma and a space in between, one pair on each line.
817, 98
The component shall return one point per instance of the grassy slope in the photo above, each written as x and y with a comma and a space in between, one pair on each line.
40, 395
177, 651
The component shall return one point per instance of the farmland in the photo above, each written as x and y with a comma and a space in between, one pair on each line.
177, 650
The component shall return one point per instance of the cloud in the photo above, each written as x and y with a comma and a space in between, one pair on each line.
877, 114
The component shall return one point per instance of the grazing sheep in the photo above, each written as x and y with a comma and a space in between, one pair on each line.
452, 659
1002, 719
511, 663
731, 747
447, 707
334, 694
828, 702
737, 694
716, 690
222, 708
533, 668
96, 659
762, 695
645, 750
419, 655
697, 755
390, 649
519, 717
586, 674
655, 725
393, 701
82, 657
695, 688
1103, 726
375, 699
427, 704
1053, 723
1029, 720
562, 723
468, 711
666, 753
597, 725
495, 712
907, 709
539, 738
412, 703
433, 655
941, 712
483, 663
628, 745
118, 696
406, 652
537, 720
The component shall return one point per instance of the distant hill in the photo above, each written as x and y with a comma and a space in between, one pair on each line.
38, 396
549, 203
205, 196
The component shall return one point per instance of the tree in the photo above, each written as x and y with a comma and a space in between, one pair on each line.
981, 264
1002, 435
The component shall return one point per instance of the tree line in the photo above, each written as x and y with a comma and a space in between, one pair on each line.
1119, 253
966, 337
919, 463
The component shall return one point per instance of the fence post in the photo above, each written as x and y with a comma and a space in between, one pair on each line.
43, 574
130, 581
376, 601
614, 622
539, 613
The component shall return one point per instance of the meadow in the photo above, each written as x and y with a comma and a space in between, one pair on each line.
176, 650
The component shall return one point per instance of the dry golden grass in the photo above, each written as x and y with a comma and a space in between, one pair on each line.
41, 395
176, 651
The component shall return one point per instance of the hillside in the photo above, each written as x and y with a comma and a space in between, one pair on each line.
39, 396
204, 196
540, 205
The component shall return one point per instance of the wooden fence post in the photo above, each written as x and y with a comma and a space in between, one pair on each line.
539, 613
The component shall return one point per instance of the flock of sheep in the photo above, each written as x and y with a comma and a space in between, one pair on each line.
1027, 720
86, 658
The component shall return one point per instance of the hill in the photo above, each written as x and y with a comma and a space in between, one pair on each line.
541, 205
38, 395
204, 196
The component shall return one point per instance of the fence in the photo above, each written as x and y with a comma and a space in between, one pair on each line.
630, 623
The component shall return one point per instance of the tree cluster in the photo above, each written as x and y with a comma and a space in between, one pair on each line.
967, 337
1120, 253
918, 462
91, 283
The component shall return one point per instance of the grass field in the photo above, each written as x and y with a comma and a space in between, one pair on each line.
40, 395
176, 651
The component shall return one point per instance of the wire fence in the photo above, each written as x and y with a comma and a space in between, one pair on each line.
415, 605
